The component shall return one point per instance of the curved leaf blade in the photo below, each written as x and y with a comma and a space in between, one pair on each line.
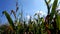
53, 9
9, 19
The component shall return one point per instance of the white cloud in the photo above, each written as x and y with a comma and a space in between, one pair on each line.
28, 17
40, 12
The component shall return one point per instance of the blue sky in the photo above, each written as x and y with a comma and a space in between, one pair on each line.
29, 7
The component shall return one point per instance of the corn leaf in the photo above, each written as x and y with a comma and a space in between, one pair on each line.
53, 9
47, 4
58, 21
12, 11
9, 19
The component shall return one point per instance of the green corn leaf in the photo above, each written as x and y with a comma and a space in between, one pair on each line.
35, 14
53, 9
47, 4
12, 11
9, 19
58, 21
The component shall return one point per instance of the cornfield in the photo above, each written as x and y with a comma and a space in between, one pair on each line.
47, 25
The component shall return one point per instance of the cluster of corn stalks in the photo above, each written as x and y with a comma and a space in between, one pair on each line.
47, 25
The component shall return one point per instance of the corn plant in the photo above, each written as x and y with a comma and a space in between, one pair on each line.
37, 26
49, 17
